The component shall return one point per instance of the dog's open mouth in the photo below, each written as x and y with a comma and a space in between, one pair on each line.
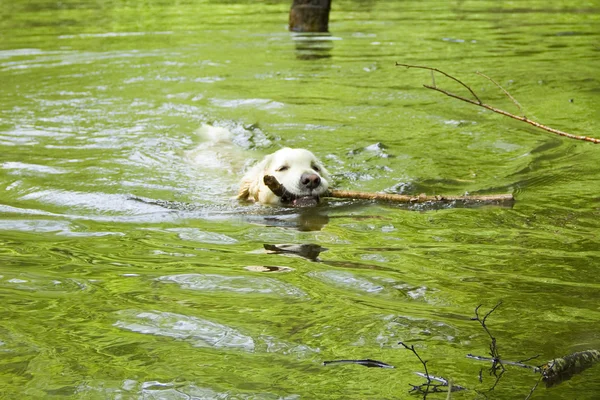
288, 198
304, 201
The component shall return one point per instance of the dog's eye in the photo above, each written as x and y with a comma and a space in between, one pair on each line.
282, 168
316, 168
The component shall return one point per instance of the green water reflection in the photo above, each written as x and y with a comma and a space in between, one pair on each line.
103, 296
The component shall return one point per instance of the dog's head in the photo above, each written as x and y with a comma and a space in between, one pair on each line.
298, 170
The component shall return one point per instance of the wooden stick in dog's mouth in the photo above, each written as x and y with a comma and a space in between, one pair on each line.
287, 197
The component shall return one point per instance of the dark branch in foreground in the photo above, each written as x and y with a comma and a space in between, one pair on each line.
551, 373
497, 369
429, 387
479, 103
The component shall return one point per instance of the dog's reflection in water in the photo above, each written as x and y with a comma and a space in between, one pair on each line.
309, 251
303, 219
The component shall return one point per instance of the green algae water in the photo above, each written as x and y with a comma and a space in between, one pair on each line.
107, 297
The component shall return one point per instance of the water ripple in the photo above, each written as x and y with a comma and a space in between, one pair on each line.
24, 167
236, 284
197, 235
348, 280
172, 391
199, 332
95, 201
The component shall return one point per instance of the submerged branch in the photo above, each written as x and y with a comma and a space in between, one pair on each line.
551, 373
563, 368
479, 103
513, 363
365, 363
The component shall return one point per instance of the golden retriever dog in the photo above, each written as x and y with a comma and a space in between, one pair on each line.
303, 176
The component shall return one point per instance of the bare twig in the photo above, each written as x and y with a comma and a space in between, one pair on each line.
524, 119
426, 387
497, 369
498, 377
482, 323
479, 103
450, 389
412, 348
534, 387
443, 73
445, 385
501, 88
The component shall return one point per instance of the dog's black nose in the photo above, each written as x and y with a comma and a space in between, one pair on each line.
311, 181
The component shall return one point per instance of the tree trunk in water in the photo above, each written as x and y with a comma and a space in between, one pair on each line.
310, 15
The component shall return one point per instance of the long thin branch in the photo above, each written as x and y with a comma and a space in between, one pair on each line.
517, 117
279, 190
479, 103
422, 198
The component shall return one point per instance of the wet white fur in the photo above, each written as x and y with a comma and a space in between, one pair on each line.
297, 161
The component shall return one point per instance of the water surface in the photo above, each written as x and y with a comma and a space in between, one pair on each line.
104, 296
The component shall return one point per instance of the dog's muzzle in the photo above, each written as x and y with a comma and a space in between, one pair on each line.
290, 198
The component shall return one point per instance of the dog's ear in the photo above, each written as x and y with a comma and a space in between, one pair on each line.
252, 181
244, 191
